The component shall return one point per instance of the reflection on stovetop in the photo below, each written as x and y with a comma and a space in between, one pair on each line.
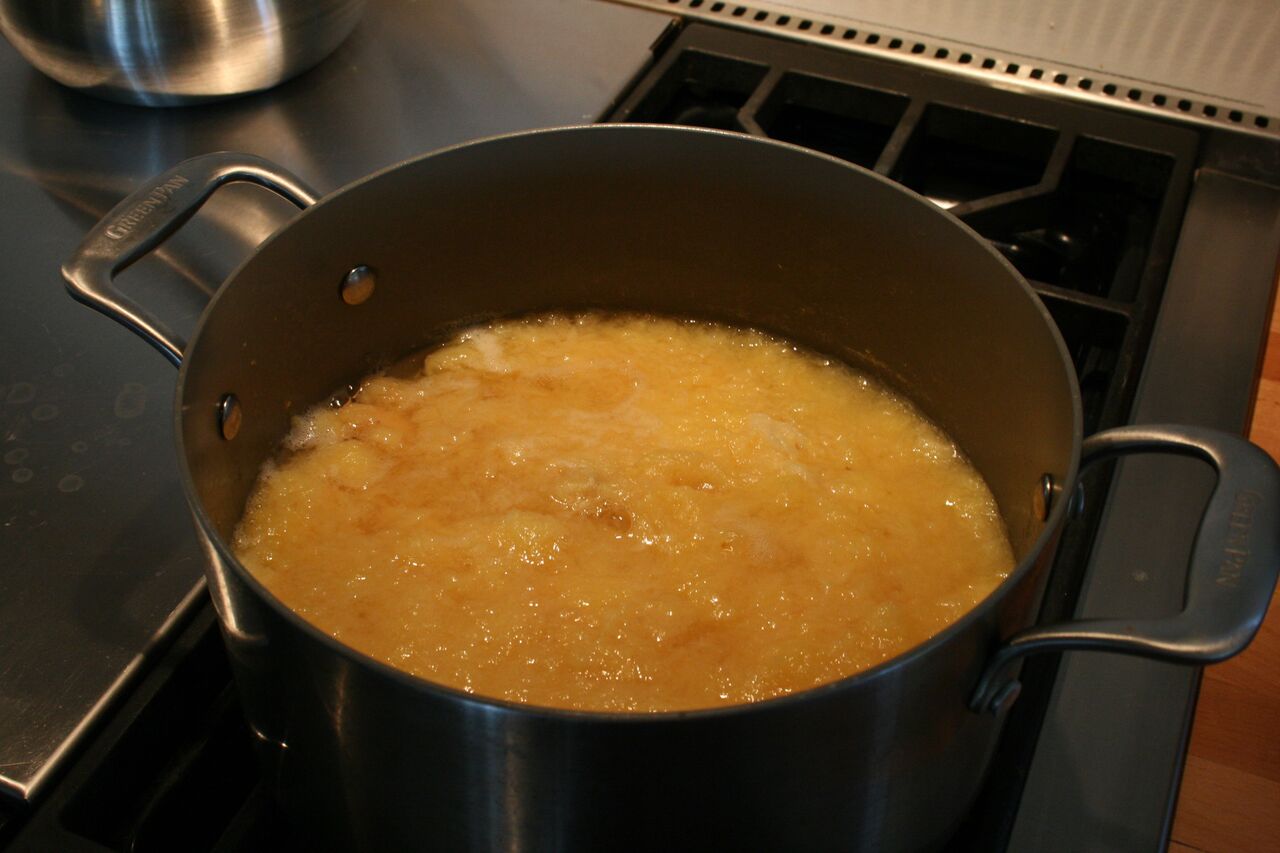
1086, 203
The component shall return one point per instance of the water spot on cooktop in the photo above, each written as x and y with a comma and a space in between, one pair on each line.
21, 392
70, 483
16, 456
79, 446
62, 370
44, 412
22, 475
131, 401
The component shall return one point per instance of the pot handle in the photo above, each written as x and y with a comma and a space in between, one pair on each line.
150, 215
1234, 563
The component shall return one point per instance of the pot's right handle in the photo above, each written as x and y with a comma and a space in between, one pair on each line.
150, 215
1234, 564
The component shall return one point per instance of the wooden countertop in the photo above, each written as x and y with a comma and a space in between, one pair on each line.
1230, 797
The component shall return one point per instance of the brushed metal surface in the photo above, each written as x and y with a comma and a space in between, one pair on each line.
96, 544
163, 53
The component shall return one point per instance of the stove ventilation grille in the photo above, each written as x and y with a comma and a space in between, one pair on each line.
1004, 70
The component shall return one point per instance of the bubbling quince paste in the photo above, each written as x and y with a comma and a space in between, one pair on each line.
624, 513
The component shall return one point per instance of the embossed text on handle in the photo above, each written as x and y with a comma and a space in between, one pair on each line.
1236, 553
124, 226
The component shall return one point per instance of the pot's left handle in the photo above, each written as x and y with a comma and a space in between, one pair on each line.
1230, 578
150, 215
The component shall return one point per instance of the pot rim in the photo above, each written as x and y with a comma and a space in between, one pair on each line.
1052, 523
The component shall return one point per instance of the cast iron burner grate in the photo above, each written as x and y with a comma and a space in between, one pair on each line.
1085, 202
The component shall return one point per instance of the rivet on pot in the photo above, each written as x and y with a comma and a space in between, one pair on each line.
229, 416
357, 285
1042, 497
1005, 698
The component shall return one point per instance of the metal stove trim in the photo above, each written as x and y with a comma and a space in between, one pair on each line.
1005, 69
40, 774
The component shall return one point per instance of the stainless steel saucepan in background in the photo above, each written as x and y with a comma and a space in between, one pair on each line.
170, 52
683, 222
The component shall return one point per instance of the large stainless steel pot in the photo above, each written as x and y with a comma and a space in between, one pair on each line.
685, 222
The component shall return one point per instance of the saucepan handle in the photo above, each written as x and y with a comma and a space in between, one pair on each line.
150, 215
1234, 563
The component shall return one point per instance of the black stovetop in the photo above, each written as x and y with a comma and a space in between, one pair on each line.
1104, 212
